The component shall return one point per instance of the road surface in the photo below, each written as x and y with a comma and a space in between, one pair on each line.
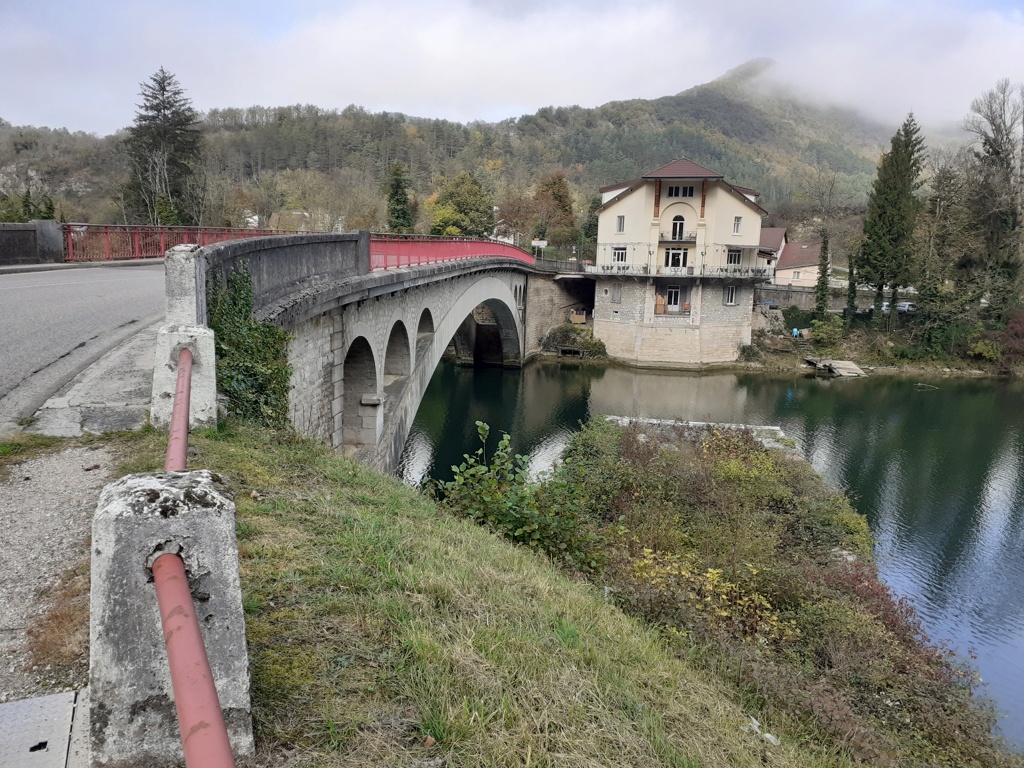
55, 323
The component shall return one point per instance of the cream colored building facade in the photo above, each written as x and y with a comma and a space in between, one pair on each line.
678, 254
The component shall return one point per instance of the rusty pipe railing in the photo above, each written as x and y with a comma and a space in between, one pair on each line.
177, 442
204, 735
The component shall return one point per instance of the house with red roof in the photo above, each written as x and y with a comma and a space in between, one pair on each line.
679, 251
798, 265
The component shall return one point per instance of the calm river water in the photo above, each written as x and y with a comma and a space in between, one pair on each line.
936, 465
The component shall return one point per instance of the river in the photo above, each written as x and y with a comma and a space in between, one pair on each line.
936, 465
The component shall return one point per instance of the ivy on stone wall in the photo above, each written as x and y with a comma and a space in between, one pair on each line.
252, 360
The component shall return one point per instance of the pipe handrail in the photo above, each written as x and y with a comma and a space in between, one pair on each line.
204, 734
115, 242
177, 441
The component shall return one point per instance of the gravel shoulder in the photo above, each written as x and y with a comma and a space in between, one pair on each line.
46, 510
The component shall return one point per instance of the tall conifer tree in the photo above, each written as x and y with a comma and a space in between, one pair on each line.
163, 147
886, 255
400, 217
821, 286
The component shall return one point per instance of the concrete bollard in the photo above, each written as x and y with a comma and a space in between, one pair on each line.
140, 517
185, 318
170, 340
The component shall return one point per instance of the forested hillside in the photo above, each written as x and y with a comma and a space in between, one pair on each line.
332, 166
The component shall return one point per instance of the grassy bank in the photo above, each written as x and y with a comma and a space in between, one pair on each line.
705, 583
385, 632
755, 572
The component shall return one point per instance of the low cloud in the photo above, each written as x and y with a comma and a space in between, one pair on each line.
470, 59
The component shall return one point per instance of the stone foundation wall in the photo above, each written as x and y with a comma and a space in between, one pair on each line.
624, 320
548, 302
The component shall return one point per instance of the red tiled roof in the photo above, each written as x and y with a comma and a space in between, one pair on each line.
621, 185
682, 169
799, 255
746, 190
773, 237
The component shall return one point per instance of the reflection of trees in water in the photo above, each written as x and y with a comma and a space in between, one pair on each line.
918, 462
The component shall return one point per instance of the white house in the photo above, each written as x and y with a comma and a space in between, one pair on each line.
678, 254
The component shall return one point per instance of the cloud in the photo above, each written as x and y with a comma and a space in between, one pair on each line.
479, 59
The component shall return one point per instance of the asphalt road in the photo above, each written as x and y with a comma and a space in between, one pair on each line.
55, 323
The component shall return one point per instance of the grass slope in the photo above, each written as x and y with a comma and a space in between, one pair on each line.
383, 632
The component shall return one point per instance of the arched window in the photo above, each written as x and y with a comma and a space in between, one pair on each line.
678, 228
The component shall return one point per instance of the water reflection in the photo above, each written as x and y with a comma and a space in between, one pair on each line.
937, 468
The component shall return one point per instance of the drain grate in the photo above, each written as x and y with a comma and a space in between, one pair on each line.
34, 733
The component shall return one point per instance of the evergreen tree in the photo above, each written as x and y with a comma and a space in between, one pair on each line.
463, 208
163, 146
821, 286
886, 255
400, 218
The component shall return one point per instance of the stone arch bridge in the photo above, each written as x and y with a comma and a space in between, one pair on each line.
369, 318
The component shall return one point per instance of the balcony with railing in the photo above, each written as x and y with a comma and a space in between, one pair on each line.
678, 236
735, 272
612, 269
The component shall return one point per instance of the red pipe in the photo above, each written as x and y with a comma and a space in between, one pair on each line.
177, 442
204, 735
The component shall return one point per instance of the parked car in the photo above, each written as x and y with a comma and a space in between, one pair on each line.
906, 308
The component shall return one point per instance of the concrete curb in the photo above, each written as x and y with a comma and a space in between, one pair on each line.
19, 268
117, 338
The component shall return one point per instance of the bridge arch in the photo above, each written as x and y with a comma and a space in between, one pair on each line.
497, 293
361, 412
398, 355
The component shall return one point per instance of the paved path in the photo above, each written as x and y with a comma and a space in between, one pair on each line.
54, 323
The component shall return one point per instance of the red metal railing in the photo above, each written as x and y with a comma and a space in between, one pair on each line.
204, 736
393, 251
102, 242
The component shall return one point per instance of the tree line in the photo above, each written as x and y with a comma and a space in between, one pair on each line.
945, 227
320, 168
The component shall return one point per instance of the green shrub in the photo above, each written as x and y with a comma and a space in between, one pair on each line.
252, 361
576, 337
987, 350
499, 494
828, 332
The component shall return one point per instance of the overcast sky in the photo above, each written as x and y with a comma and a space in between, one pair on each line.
78, 65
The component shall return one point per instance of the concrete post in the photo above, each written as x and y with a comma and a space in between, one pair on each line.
185, 290
139, 517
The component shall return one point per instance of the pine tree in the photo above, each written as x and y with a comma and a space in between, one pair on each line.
886, 255
163, 146
821, 286
400, 217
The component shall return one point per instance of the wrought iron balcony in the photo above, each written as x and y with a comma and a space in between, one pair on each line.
679, 237
735, 272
